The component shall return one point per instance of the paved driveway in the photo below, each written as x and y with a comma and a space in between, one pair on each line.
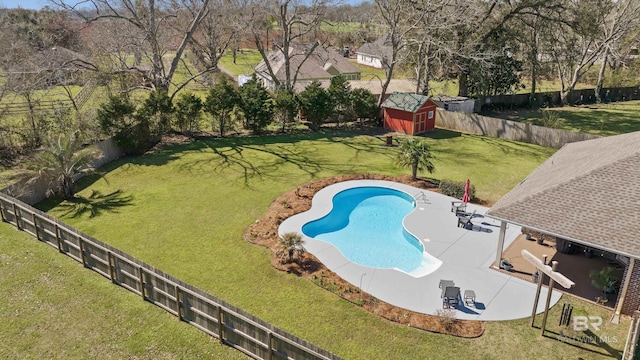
466, 257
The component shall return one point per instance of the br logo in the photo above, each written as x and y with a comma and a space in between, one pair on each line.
582, 323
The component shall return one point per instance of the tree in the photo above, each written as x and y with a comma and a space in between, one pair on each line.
214, 35
256, 104
623, 19
340, 93
498, 77
363, 103
157, 111
588, 35
316, 104
290, 247
416, 154
399, 17
61, 161
188, 113
297, 22
285, 107
220, 102
154, 24
117, 118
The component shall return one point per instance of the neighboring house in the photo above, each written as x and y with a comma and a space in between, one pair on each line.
376, 54
585, 195
409, 113
373, 85
454, 103
323, 64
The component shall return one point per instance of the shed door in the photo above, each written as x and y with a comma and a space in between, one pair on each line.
421, 122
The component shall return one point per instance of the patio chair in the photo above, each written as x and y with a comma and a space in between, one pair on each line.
450, 298
458, 207
469, 297
444, 284
464, 220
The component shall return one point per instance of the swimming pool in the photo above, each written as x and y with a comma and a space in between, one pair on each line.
366, 224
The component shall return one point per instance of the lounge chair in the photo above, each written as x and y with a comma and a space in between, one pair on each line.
451, 296
458, 207
444, 284
469, 298
464, 220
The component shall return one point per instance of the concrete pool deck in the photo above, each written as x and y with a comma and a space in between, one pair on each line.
466, 255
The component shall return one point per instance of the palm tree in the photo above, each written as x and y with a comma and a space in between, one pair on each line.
416, 154
61, 161
291, 249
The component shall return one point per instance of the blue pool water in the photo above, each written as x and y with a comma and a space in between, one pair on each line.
365, 224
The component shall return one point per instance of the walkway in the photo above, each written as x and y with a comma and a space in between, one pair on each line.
466, 255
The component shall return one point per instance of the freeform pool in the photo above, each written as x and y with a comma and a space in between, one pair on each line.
365, 224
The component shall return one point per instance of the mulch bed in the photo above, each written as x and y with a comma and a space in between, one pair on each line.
264, 232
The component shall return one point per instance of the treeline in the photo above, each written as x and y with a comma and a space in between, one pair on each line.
251, 107
488, 47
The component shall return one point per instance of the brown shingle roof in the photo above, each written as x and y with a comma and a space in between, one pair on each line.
588, 192
381, 48
319, 65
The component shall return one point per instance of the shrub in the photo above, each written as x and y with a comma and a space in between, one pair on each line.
456, 189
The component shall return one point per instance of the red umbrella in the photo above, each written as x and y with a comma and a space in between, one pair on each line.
465, 197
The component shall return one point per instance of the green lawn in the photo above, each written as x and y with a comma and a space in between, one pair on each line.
246, 60
185, 208
599, 119
53, 308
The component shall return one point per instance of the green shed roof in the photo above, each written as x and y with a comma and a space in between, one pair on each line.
404, 101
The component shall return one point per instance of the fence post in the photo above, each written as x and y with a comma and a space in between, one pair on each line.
220, 323
142, 284
35, 226
113, 272
15, 214
59, 238
270, 347
83, 254
179, 302
4, 219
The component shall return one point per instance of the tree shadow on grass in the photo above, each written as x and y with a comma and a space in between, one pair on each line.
96, 203
280, 149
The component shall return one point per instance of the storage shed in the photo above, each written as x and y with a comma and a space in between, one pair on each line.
409, 113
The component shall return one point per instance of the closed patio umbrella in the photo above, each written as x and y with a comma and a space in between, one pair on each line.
465, 197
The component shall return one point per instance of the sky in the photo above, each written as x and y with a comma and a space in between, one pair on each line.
25, 4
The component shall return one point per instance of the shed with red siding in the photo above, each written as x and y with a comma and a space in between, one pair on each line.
409, 113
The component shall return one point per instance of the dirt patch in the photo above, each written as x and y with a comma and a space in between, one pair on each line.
264, 232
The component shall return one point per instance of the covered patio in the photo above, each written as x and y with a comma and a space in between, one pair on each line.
586, 197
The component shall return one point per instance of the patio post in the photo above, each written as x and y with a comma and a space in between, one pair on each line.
623, 293
535, 301
554, 266
503, 230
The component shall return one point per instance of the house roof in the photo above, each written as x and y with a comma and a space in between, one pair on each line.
381, 48
587, 192
323, 63
373, 85
405, 101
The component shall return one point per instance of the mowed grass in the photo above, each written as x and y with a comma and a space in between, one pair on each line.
599, 119
185, 208
53, 308
246, 61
